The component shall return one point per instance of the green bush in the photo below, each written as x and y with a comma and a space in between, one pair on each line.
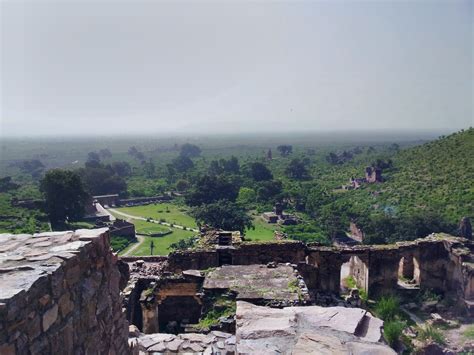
431, 333
387, 308
350, 282
392, 331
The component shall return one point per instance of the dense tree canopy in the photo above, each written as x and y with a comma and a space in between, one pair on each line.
210, 189
260, 172
190, 150
182, 163
64, 194
285, 150
297, 170
122, 168
7, 184
102, 180
223, 166
223, 214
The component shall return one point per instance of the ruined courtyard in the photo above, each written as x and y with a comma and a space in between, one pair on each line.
66, 292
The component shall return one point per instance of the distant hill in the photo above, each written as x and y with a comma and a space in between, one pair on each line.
437, 176
428, 188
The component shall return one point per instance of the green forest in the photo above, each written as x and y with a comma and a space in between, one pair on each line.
427, 185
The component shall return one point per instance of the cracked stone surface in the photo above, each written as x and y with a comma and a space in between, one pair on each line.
291, 330
257, 282
312, 329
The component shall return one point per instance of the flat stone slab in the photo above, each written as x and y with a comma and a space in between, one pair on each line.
255, 281
26, 258
307, 330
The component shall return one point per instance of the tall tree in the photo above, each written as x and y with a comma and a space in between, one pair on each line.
122, 168
285, 150
210, 189
182, 163
190, 150
64, 194
297, 170
224, 215
260, 172
93, 156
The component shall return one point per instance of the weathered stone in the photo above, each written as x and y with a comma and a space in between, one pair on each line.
65, 304
261, 328
42, 296
49, 317
33, 327
44, 300
174, 345
160, 347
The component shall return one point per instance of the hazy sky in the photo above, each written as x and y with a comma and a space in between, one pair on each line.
72, 67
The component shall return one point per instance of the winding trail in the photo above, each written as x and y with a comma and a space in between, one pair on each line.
151, 220
141, 239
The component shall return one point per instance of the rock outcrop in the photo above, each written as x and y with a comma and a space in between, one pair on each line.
60, 294
306, 330
291, 330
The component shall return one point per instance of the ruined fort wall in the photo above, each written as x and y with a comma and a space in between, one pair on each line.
196, 260
60, 294
243, 254
281, 252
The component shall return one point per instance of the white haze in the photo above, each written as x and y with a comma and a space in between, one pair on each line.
143, 67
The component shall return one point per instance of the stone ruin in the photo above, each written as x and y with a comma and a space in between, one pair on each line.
372, 175
61, 293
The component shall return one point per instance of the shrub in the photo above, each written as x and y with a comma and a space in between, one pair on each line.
350, 282
392, 331
430, 333
387, 308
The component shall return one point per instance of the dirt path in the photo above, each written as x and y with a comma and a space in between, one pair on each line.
151, 220
141, 239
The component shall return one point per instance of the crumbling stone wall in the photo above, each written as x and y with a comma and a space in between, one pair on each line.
243, 254
440, 262
60, 294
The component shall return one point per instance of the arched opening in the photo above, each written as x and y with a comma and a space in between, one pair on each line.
354, 274
409, 272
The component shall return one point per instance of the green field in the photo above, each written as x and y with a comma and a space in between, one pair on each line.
143, 228
147, 228
161, 243
168, 212
263, 231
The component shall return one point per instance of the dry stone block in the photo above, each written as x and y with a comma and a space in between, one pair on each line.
49, 317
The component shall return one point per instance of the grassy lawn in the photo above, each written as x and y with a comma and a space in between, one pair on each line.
167, 211
263, 231
161, 243
146, 228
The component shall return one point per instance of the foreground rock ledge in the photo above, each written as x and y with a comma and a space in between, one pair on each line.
60, 294
291, 330
308, 330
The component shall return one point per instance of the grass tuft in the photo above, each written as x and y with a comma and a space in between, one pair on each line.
388, 308
393, 331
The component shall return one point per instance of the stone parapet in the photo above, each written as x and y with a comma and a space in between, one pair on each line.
60, 294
